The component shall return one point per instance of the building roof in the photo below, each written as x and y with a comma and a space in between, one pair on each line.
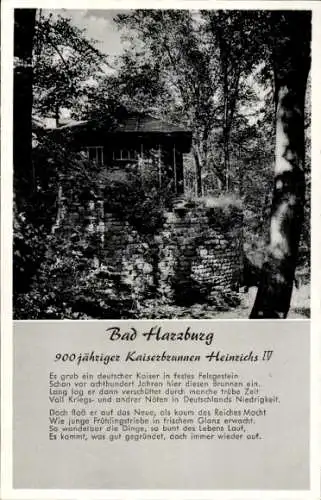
144, 123
132, 125
139, 123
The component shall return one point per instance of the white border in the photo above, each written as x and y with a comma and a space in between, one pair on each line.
6, 244
315, 349
6, 253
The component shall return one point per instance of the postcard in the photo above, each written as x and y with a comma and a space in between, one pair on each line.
160, 241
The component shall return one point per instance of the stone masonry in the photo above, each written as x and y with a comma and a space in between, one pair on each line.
200, 253
197, 254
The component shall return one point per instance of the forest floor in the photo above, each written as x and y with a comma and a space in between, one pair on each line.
300, 308
300, 305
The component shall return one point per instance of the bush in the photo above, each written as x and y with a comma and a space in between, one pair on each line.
29, 246
70, 284
127, 196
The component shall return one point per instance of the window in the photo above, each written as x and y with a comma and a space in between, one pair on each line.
125, 155
96, 154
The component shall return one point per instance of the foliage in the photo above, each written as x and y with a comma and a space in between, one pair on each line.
69, 284
224, 211
65, 64
201, 61
127, 196
29, 245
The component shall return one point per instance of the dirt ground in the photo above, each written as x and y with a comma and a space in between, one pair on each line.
300, 308
300, 305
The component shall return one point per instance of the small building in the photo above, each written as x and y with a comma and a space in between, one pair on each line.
153, 146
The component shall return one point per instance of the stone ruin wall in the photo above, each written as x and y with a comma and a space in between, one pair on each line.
201, 254
131, 255
197, 254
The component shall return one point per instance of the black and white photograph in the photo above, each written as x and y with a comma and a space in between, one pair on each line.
161, 164
159, 184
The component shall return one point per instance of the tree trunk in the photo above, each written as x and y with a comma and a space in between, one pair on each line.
226, 159
24, 181
226, 139
292, 63
61, 209
57, 115
198, 165
240, 172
